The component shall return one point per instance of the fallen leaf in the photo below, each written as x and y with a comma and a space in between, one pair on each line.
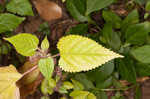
8, 78
30, 88
30, 77
29, 82
48, 10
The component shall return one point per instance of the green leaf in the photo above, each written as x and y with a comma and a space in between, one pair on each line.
21, 7
45, 44
82, 54
46, 66
47, 86
77, 85
8, 22
146, 15
102, 73
25, 44
94, 5
111, 17
104, 84
111, 37
138, 33
126, 69
142, 54
82, 78
143, 69
131, 19
80, 29
147, 7
101, 95
77, 9
68, 85
63, 90
82, 95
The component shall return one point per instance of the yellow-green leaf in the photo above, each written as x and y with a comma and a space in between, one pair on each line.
45, 44
82, 95
46, 66
8, 78
67, 85
47, 86
82, 54
77, 85
25, 43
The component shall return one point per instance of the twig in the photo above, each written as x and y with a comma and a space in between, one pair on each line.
30, 70
55, 55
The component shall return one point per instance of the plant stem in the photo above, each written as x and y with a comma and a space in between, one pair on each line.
30, 70
55, 55
111, 89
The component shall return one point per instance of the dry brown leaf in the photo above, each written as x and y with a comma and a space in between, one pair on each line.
48, 10
32, 76
30, 88
29, 82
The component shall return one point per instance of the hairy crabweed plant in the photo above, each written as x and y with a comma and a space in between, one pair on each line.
128, 35
77, 53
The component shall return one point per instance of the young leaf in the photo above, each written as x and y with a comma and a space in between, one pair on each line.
82, 54
94, 5
82, 95
21, 7
77, 9
45, 44
8, 77
25, 44
45, 86
142, 54
46, 66
8, 22
67, 85
77, 85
